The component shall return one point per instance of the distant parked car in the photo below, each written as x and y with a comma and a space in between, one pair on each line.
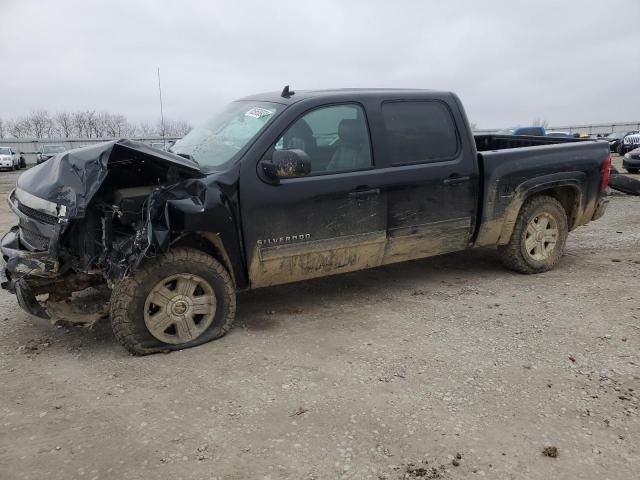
9, 159
164, 146
630, 142
49, 151
531, 131
560, 134
631, 161
615, 139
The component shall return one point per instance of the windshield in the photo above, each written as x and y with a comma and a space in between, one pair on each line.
52, 149
5, 151
224, 138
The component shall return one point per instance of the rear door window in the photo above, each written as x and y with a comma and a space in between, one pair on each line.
419, 131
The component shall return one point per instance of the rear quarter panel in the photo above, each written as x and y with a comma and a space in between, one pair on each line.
514, 175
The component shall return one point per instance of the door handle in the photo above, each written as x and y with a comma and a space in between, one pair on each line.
364, 193
456, 179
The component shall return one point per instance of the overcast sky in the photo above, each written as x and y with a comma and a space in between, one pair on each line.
565, 62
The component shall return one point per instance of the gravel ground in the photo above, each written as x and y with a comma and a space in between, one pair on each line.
449, 367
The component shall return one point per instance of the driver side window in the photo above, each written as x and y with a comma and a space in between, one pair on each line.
335, 138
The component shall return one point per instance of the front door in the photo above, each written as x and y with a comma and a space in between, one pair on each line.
331, 221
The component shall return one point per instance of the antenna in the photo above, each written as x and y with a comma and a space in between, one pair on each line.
164, 145
286, 93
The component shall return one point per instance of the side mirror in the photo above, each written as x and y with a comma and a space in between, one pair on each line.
287, 164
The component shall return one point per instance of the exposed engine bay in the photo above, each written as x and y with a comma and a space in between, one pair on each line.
90, 216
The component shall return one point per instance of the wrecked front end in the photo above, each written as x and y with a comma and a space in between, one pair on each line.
87, 218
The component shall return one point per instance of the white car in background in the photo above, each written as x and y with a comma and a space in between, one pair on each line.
630, 142
9, 159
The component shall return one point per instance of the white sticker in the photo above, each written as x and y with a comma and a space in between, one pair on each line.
257, 112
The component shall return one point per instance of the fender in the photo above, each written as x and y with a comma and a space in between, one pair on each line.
502, 212
204, 208
527, 189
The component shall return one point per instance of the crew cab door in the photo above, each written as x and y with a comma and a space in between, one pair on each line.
432, 182
331, 220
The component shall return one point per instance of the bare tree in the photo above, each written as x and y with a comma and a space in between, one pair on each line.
79, 124
145, 129
64, 121
86, 124
173, 128
40, 123
18, 128
116, 125
91, 122
180, 128
539, 122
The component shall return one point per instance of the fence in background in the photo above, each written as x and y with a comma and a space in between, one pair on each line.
29, 147
596, 128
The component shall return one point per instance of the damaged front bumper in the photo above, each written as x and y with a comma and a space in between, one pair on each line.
30, 248
89, 218
30, 264
26, 273
18, 264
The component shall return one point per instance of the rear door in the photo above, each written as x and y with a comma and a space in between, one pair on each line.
330, 221
432, 182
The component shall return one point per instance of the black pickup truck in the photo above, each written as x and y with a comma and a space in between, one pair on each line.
281, 187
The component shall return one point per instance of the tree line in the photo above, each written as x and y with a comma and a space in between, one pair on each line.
87, 124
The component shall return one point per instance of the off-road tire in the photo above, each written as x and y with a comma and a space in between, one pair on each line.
129, 295
625, 184
514, 255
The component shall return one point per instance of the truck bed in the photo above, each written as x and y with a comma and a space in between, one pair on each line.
514, 166
502, 142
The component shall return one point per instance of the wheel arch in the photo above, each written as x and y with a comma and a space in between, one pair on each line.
211, 244
568, 192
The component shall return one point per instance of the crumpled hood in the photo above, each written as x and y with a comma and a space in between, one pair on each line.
72, 178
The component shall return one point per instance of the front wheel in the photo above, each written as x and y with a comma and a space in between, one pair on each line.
538, 238
183, 299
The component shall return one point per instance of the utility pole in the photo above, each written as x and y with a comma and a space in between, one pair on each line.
164, 145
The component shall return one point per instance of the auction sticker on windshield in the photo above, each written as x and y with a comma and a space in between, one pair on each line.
257, 112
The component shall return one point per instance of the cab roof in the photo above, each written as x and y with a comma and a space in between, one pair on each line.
347, 93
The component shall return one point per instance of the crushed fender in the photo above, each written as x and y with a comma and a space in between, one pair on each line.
90, 216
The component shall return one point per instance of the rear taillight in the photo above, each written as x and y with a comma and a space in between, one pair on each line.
605, 172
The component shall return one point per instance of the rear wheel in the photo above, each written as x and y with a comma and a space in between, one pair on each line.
633, 170
181, 300
538, 238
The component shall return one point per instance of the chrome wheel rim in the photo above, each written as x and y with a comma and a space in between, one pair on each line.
541, 236
180, 308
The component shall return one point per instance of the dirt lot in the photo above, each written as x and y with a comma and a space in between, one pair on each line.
388, 373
